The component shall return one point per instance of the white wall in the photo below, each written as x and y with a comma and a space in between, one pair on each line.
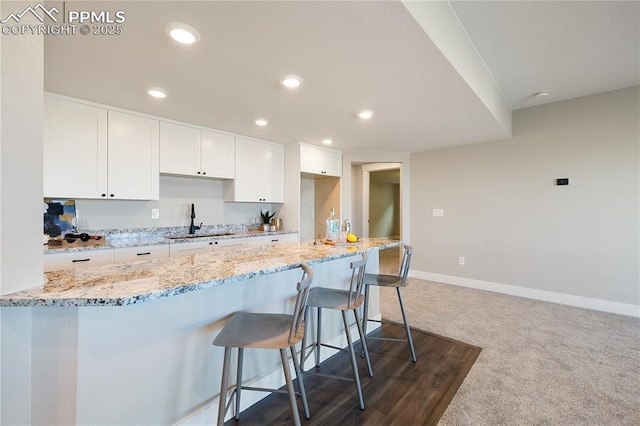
176, 195
514, 226
21, 104
22, 77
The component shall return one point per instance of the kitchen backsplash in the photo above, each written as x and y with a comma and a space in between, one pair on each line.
174, 205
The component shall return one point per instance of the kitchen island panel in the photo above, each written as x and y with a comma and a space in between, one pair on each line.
154, 363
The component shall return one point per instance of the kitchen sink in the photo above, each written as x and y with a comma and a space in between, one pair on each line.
221, 234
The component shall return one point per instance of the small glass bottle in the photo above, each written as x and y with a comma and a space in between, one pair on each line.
347, 226
332, 227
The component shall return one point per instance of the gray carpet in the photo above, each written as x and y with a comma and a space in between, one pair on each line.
541, 363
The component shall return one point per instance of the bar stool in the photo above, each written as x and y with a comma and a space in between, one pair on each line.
396, 281
341, 300
265, 331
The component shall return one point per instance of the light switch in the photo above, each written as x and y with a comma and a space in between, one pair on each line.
438, 212
155, 213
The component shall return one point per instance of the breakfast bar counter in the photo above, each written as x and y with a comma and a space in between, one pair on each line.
137, 282
130, 343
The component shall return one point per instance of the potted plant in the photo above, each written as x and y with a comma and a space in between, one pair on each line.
266, 219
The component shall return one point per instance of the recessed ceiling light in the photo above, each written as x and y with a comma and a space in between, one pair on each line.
182, 33
542, 94
157, 92
366, 114
261, 122
327, 141
291, 81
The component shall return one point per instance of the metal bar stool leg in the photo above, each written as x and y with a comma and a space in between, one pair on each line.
290, 391
239, 381
318, 341
354, 364
303, 392
363, 342
224, 386
406, 327
303, 348
365, 313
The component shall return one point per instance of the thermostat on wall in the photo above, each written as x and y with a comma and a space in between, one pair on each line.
562, 181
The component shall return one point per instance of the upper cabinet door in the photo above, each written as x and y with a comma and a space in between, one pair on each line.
320, 161
259, 173
247, 179
75, 149
218, 155
179, 149
271, 169
134, 157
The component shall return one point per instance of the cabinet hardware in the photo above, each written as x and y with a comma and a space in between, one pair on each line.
111, 195
143, 254
80, 260
198, 172
104, 195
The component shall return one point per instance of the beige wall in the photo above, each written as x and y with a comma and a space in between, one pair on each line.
514, 226
384, 209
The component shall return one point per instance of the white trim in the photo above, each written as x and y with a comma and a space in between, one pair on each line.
531, 293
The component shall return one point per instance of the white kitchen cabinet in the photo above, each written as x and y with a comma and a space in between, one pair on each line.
190, 151
77, 259
218, 155
196, 247
92, 152
259, 172
320, 161
134, 156
265, 240
75, 149
132, 254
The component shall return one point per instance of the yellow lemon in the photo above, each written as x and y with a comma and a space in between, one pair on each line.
352, 238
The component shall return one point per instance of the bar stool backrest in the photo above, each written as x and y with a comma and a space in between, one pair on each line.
303, 287
357, 281
404, 266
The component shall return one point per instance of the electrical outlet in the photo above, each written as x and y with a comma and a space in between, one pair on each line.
438, 212
155, 213
461, 260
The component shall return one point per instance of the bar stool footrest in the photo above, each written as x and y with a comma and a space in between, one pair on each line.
334, 347
330, 376
399, 324
388, 339
253, 388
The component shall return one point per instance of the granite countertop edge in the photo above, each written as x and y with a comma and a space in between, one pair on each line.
56, 295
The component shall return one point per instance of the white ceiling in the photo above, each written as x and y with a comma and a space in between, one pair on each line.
571, 48
352, 56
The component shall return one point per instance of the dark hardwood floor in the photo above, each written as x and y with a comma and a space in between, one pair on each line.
400, 393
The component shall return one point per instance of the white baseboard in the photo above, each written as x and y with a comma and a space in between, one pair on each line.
531, 293
208, 413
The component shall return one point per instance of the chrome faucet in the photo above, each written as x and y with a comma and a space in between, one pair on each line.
193, 228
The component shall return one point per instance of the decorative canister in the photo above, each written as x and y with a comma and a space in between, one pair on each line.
277, 223
332, 227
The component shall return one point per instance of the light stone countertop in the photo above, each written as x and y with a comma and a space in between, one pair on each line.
137, 282
151, 238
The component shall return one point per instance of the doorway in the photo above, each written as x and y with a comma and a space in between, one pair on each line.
382, 208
